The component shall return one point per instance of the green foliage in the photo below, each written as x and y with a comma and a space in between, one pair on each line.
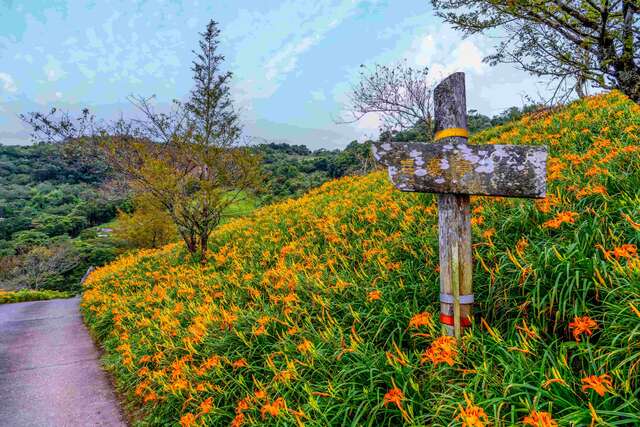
48, 197
582, 41
38, 209
31, 295
292, 170
478, 122
148, 226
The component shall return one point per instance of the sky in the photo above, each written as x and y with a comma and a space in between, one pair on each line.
293, 61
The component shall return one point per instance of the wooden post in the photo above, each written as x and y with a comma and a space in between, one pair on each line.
454, 214
454, 170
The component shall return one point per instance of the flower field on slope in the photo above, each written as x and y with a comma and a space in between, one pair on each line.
323, 310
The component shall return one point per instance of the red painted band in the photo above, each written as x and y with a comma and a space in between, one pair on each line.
448, 320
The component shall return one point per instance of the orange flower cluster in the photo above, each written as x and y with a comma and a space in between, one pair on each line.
395, 396
627, 251
374, 295
590, 191
442, 350
273, 409
305, 346
290, 300
187, 420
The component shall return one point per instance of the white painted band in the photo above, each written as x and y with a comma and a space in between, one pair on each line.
464, 299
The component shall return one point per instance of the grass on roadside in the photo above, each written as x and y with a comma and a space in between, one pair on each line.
23, 295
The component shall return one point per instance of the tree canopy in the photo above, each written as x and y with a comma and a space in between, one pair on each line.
582, 41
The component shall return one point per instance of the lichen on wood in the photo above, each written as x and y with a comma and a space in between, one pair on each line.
460, 168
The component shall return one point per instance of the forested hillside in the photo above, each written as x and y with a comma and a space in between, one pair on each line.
54, 202
50, 204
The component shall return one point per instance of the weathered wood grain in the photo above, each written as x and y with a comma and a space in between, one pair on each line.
450, 103
454, 234
459, 168
454, 216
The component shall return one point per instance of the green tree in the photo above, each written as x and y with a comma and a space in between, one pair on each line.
148, 226
189, 160
582, 41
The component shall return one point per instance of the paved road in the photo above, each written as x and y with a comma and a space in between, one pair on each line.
50, 374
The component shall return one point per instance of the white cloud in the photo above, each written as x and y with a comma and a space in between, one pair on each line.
466, 57
285, 60
424, 49
369, 123
279, 54
318, 95
7, 82
53, 69
444, 52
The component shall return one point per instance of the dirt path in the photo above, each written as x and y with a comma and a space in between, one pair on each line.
50, 374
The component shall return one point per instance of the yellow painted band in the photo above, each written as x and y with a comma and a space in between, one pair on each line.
447, 133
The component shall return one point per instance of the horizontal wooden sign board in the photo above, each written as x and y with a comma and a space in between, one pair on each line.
458, 168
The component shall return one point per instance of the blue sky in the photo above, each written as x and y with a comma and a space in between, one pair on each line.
294, 61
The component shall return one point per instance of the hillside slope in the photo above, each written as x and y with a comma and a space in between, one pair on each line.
323, 310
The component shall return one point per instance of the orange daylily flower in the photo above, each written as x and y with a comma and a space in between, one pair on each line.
260, 330
582, 325
206, 405
187, 420
305, 346
625, 251
238, 420
561, 218
395, 396
488, 234
472, 415
442, 350
240, 363
274, 408
242, 405
374, 295
601, 384
539, 419
421, 319
150, 397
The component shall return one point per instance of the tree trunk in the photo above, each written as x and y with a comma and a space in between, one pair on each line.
190, 241
204, 240
629, 82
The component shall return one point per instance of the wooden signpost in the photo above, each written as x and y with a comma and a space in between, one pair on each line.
456, 170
